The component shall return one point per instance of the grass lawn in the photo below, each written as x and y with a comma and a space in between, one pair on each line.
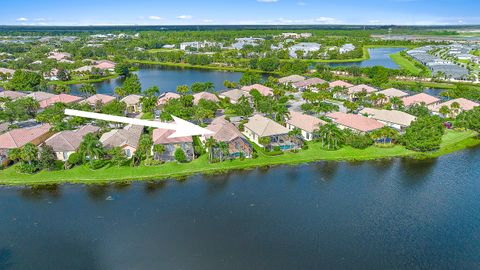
82, 81
453, 141
405, 63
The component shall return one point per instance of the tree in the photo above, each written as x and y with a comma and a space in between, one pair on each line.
25, 81
197, 87
123, 68
91, 148
131, 85
117, 156
223, 149
418, 110
330, 135
265, 141
29, 153
230, 85
424, 134
385, 134
47, 157
180, 155
145, 146
182, 89
249, 78
471, 119
88, 89
152, 91
158, 150
242, 107
61, 88
210, 143
114, 108
14, 154
63, 75
209, 86
445, 110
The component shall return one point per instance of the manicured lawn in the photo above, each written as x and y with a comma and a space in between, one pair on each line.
454, 140
405, 63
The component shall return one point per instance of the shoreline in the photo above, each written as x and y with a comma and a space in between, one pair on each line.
457, 140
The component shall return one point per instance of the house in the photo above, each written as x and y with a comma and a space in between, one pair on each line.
291, 79
105, 65
306, 123
165, 97
67, 142
463, 105
340, 84
17, 138
353, 91
59, 55
205, 96
305, 47
161, 136
265, 91
421, 98
392, 118
13, 95
133, 102
346, 48
259, 126
61, 98
308, 84
127, 138
98, 98
84, 69
40, 95
393, 92
354, 122
234, 95
224, 131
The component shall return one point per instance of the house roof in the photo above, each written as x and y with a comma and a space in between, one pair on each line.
104, 99
4, 127
291, 79
235, 94
308, 82
105, 64
263, 126
131, 100
391, 116
167, 96
355, 121
266, 91
303, 121
70, 140
360, 88
59, 55
340, 84
40, 95
19, 137
7, 71
206, 96
224, 131
83, 69
419, 98
62, 98
128, 136
465, 104
393, 92
160, 136
11, 94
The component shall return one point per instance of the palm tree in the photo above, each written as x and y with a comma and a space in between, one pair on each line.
455, 107
223, 147
445, 110
385, 133
158, 149
265, 141
396, 102
330, 135
29, 153
209, 86
88, 89
91, 148
210, 143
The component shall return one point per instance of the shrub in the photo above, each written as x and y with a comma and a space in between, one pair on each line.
96, 164
180, 155
25, 167
75, 159
152, 162
304, 147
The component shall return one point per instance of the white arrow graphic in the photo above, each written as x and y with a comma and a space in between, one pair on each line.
182, 128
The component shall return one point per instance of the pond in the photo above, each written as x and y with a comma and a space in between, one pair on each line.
378, 57
390, 214
168, 78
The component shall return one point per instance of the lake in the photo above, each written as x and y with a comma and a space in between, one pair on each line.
378, 57
168, 78
391, 214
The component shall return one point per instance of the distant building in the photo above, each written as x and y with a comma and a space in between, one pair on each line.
306, 123
346, 48
392, 118
305, 47
463, 105
421, 98
133, 102
291, 79
17, 138
205, 96
234, 95
264, 90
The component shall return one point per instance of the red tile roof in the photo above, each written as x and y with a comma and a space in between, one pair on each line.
62, 98
160, 136
266, 91
418, 99
19, 137
355, 121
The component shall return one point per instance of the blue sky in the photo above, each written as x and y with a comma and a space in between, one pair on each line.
167, 12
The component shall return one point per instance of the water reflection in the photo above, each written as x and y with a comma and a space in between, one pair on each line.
414, 172
98, 192
152, 187
41, 192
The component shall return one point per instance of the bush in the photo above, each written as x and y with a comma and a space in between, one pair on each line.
25, 167
180, 155
305, 147
359, 141
75, 159
152, 162
96, 164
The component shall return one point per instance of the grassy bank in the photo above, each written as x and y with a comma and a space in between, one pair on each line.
453, 141
405, 64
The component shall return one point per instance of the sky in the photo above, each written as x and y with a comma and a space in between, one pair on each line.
234, 12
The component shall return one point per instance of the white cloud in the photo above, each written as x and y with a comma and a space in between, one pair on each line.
155, 18
267, 1
184, 17
22, 19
